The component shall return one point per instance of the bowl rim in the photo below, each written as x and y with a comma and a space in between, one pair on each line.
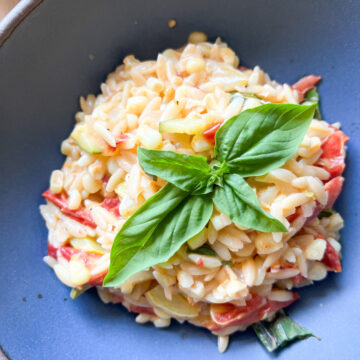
15, 17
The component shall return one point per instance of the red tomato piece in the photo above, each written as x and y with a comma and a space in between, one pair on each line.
296, 214
298, 279
52, 251
112, 205
228, 314
243, 68
224, 315
98, 279
142, 310
277, 305
333, 188
333, 153
211, 131
331, 258
67, 252
105, 179
305, 84
79, 215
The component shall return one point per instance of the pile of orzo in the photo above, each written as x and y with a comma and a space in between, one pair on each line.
228, 276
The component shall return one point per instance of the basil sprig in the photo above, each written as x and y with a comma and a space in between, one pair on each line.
280, 331
251, 143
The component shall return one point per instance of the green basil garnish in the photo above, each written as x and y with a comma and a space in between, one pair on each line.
203, 250
156, 231
313, 97
237, 200
262, 139
325, 214
280, 331
187, 172
249, 144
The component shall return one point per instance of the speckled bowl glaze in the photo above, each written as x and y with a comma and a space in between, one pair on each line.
64, 49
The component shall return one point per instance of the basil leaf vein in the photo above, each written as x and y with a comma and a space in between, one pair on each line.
187, 172
238, 201
261, 139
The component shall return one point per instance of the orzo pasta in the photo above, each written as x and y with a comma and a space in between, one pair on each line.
228, 276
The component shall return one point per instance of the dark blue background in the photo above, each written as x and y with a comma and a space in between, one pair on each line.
45, 67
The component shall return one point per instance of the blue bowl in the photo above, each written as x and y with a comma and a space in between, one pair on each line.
64, 49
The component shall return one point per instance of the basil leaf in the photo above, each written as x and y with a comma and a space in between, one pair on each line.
140, 226
280, 331
187, 172
313, 97
325, 214
144, 242
263, 138
203, 250
237, 200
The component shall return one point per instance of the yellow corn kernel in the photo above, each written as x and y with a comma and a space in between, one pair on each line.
195, 65
87, 245
78, 272
121, 189
315, 250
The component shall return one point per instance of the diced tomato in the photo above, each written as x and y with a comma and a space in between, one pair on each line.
333, 188
305, 84
296, 214
230, 315
333, 153
142, 310
277, 305
79, 215
112, 205
105, 179
211, 131
200, 262
224, 315
67, 252
331, 258
52, 251
98, 279
118, 140
298, 279
243, 68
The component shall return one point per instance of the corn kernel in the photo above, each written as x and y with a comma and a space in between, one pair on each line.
195, 65
149, 137
316, 250
78, 272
